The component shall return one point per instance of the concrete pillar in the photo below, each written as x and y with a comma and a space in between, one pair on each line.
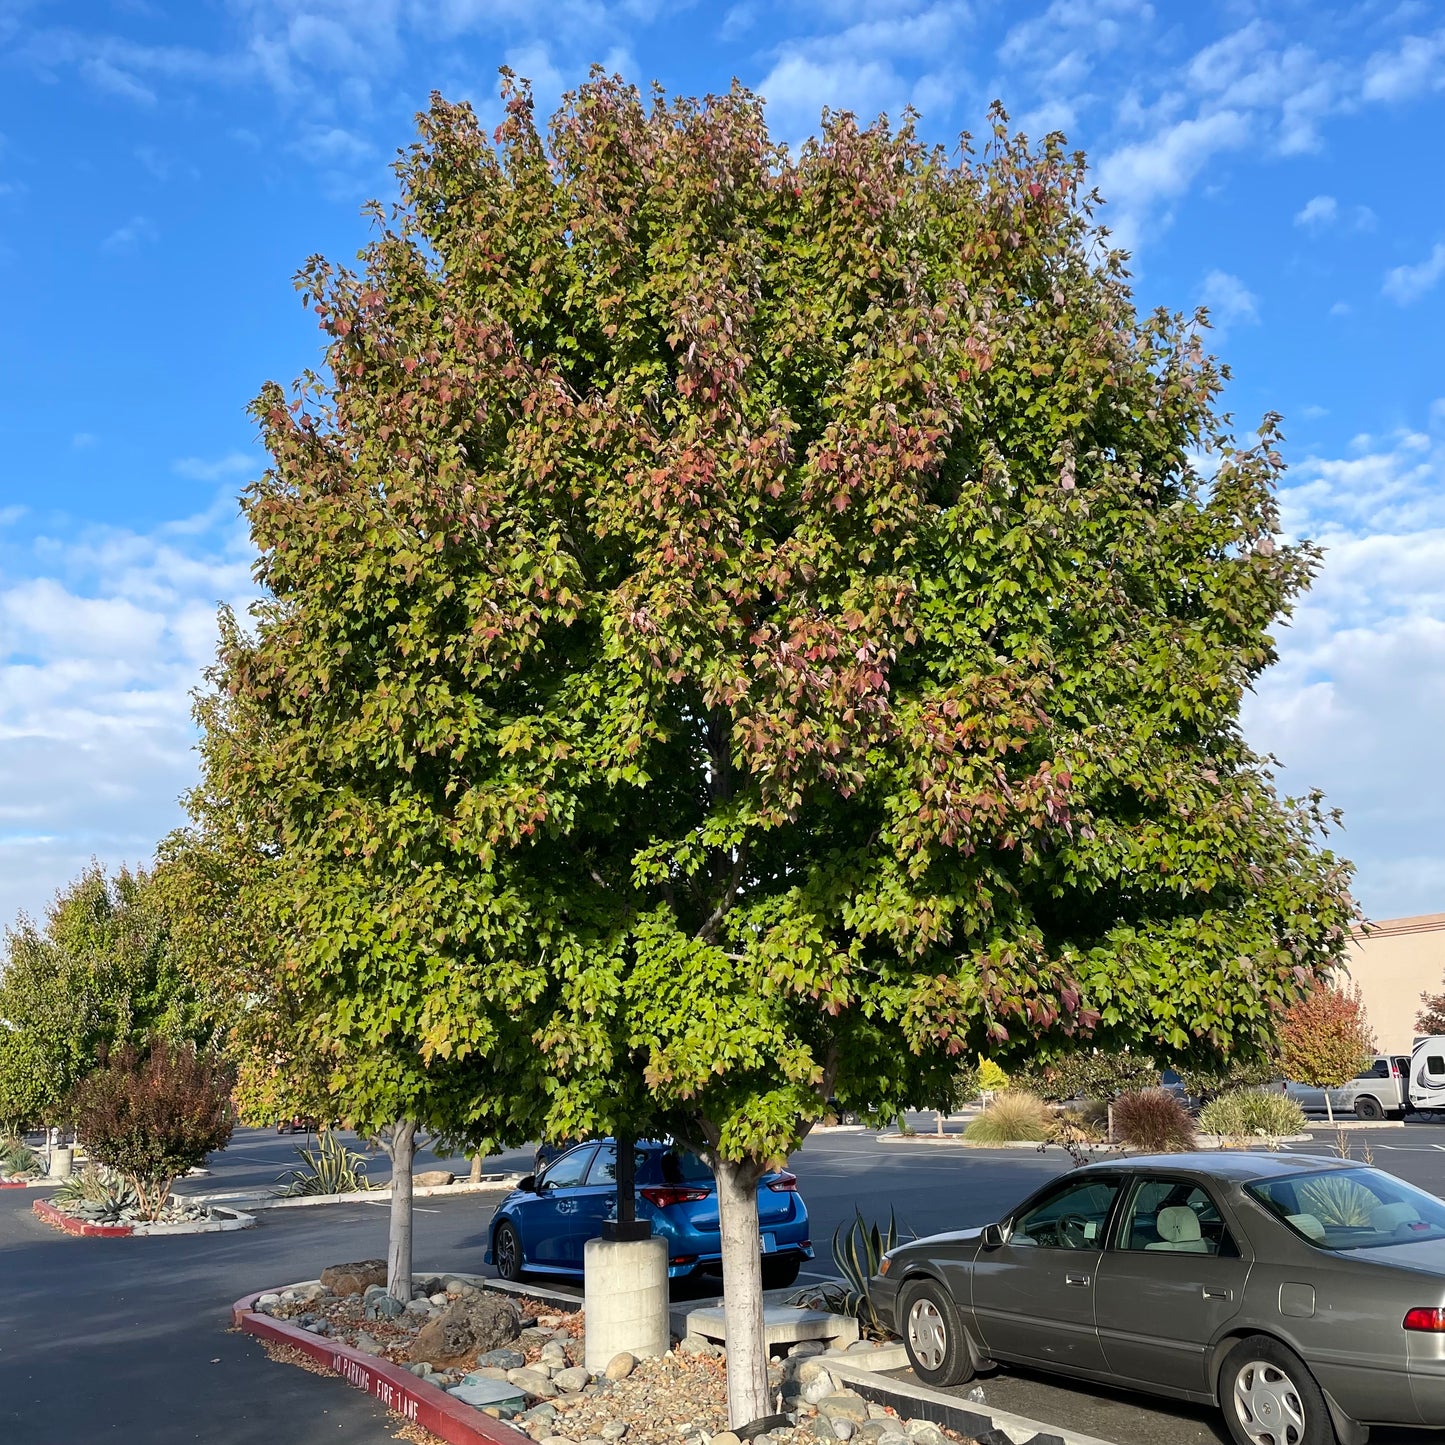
61, 1163
625, 1297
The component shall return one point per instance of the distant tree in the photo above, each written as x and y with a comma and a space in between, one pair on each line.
99, 973
1431, 1018
745, 628
153, 1114
1325, 1039
1089, 1074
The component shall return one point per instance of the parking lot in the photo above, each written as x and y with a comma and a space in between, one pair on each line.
129, 1339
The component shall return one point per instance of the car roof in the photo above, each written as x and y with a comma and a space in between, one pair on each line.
1232, 1164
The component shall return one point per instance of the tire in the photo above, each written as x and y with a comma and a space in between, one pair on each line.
933, 1334
780, 1273
507, 1251
1368, 1107
1269, 1397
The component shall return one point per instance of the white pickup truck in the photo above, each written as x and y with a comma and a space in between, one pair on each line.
1389, 1086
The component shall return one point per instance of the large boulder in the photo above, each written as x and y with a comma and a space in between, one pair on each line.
476, 1324
344, 1279
431, 1178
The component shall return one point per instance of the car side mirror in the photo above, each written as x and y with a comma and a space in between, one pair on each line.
527, 1184
995, 1235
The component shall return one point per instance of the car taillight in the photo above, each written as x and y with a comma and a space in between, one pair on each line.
785, 1183
1431, 1320
663, 1195
884, 1265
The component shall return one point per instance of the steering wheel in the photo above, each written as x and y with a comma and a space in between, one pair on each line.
1073, 1231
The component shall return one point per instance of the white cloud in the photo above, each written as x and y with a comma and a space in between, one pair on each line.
854, 68
111, 79
1408, 283
1416, 64
1318, 211
1229, 300
1356, 704
1078, 28
103, 634
137, 230
1136, 176
233, 464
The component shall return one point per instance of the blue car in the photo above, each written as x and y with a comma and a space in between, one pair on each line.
544, 1224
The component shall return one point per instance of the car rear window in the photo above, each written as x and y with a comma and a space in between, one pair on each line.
679, 1166
1352, 1208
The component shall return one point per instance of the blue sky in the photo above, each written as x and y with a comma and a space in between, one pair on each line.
166, 167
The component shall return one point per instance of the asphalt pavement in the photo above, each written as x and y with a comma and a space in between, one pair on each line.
129, 1340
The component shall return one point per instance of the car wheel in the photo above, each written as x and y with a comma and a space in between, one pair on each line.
933, 1334
1269, 1397
507, 1251
1368, 1108
780, 1273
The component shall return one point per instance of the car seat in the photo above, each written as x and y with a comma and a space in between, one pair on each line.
1307, 1225
1178, 1228
1389, 1217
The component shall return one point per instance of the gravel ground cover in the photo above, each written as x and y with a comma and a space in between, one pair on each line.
677, 1399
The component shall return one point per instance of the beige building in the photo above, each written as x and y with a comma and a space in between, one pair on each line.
1396, 961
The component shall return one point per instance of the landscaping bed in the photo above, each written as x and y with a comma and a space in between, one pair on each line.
85, 1218
417, 1359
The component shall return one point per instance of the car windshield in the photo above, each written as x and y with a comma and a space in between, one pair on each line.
1352, 1208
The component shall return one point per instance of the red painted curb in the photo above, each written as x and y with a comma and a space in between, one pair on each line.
13, 1184
398, 1389
68, 1224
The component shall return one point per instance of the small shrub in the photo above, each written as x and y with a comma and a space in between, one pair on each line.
1249, 1113
991, 1078
1153, 1120
154, 1116
330, 1168
1014, 1117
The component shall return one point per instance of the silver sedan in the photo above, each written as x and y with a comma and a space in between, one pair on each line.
1304, 1296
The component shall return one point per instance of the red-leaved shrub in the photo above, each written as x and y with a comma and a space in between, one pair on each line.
152, 1116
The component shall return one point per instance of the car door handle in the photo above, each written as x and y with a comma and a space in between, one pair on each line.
1217, 1293
1080, 1281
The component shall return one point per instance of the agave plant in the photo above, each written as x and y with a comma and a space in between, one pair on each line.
1336, 1201
330, 1168
17, 1157
98, 1185
858, 1248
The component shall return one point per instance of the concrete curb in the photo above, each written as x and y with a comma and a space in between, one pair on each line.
233, 1220
563, 1303
398, 1389
259, 1200
981, 1422
1355, 1124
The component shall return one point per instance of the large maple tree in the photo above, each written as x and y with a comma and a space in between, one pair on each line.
756, 624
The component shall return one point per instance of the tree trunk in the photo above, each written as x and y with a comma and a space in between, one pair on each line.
476, 1174
737, 1199
398, 1244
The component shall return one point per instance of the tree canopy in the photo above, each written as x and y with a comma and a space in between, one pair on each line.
1325, 1038
754, 627
100, 972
